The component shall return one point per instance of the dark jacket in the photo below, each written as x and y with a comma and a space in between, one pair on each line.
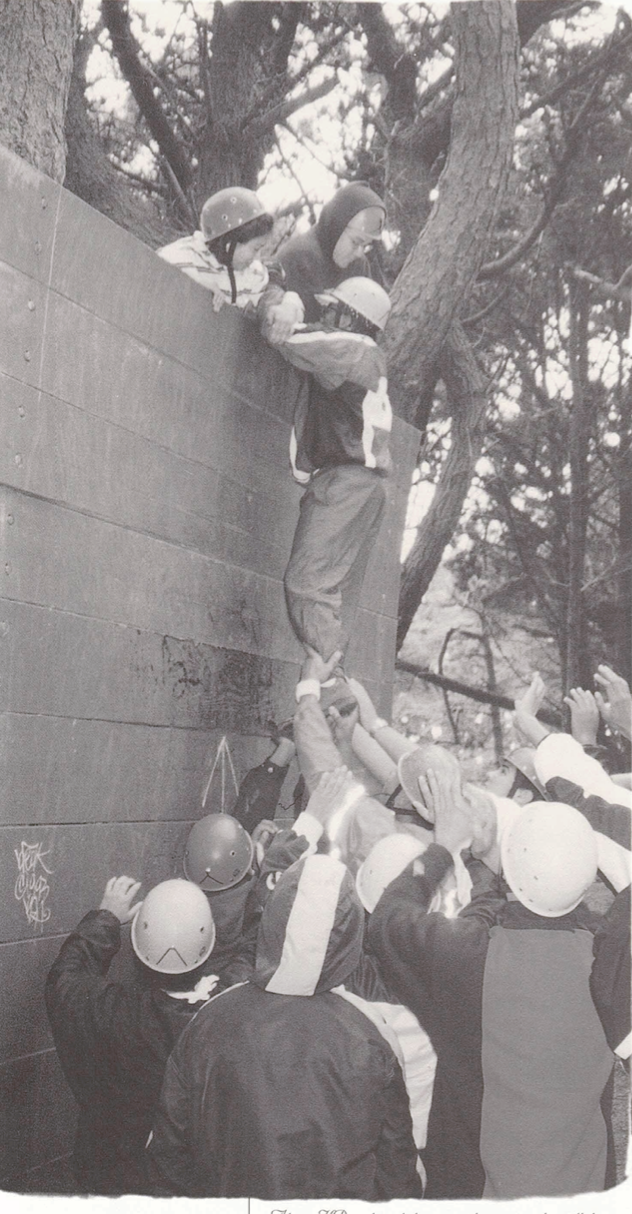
112, 1042
571, 777
523, 1061
307, 258
344, 416
281, 1089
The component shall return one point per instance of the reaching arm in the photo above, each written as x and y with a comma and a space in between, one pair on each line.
559, 755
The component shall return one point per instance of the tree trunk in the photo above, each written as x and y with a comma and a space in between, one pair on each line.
624, 595
576, 663
92, 176
466, 388
445, 260
36, 46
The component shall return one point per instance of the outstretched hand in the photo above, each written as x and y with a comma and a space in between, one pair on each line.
315, 667
527, 707
368, 712
584, 715
442, 795
334, 789
531, 700
119, 898
614, 700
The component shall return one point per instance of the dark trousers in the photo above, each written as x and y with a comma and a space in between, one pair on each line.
341, 513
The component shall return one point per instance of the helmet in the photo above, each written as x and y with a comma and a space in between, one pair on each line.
522, 759
364, 296
386, 860
173, 932
227, 210
549, 857
218, 852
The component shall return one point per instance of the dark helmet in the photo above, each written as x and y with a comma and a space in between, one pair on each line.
218, 853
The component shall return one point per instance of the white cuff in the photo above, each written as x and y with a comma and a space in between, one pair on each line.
379, 723
307, 687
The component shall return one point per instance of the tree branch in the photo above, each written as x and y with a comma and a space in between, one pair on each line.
126, 50
465, 689
493, 269
279, 113
621, 290
606, 54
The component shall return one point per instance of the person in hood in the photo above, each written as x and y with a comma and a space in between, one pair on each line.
320, 259
282, 1088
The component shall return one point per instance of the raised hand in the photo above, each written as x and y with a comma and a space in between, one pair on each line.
315, 667
442, 795
119, 898
614, 700
531, 701
368, 711
584, 715
334, 789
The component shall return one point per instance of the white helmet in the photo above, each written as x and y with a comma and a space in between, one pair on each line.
173, 932
363, 296
386, 860
549, 857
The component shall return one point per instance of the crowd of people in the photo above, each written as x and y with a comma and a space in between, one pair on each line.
400, 992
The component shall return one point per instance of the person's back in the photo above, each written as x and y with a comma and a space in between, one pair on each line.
504, 992
281, 1089
113, 1040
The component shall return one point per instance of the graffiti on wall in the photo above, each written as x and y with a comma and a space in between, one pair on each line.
31, 886
223, 769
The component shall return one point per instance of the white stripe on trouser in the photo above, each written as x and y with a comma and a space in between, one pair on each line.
308, 928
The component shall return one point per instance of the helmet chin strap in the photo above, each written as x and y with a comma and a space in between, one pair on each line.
232, 244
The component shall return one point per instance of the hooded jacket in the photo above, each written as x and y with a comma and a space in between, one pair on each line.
307, 258
282, 1089
113, 1042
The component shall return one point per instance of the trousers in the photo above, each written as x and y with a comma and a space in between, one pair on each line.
340, 516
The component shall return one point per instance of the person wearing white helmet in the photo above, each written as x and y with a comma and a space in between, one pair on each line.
339, 450
288, 1087
504, 993
113, 1040
224, 254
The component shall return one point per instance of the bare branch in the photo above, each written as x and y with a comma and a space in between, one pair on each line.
606, 54
480, 694
126, 50
280, 112
621, 290
493, 269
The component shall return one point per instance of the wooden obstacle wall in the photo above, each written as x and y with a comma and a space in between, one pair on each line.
147, 513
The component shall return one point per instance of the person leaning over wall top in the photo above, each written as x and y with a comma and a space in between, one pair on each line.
319, 259
223, 255
113, 1040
